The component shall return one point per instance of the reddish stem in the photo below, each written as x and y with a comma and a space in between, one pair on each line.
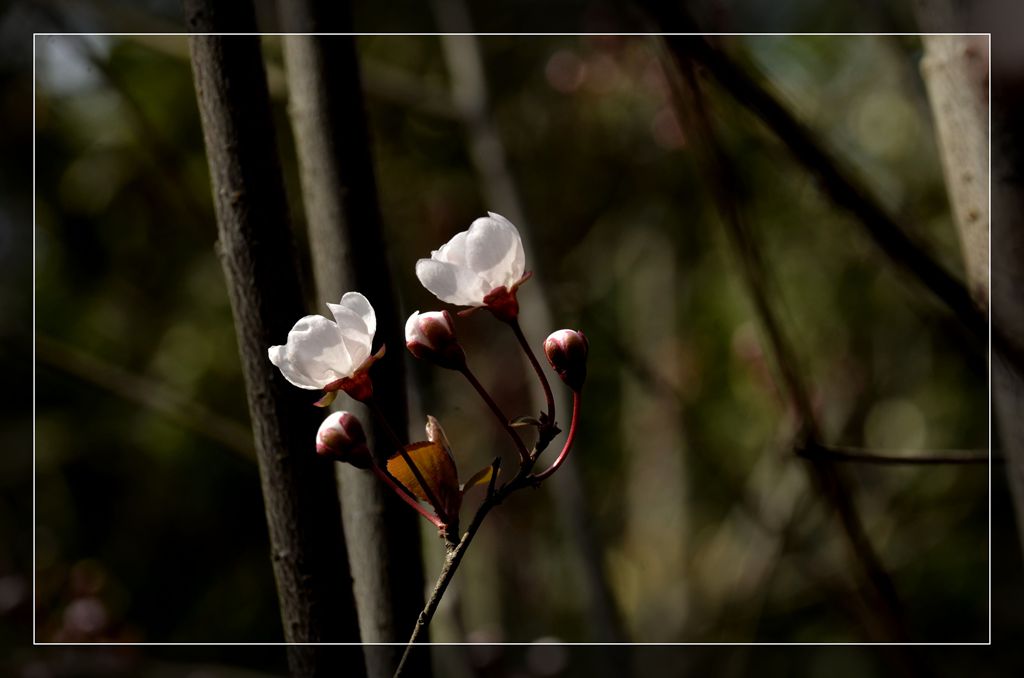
548, 395
431, 498
404, 493
524, 454
576, 401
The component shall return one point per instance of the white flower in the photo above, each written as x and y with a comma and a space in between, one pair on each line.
475, 262
319, 351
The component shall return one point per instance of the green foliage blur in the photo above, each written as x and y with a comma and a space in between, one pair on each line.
149, 523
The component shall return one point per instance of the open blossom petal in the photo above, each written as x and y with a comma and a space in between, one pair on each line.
356, 323
320, 351
314, 355
455, 284
454, 251
361, 306
487, 256
495, 251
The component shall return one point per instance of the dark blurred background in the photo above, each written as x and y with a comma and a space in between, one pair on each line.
701, 523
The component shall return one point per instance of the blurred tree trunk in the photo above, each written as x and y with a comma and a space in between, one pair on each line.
309, 559
956, 78
875, 586
1008, 262
487, 152
954, 71
349, 253
656, 528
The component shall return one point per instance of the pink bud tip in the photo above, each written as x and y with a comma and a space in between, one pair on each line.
566, 350
341, 437
431, 336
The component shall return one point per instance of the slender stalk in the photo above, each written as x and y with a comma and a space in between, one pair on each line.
836, 181
524, 454
818, 451
548, 395
451, 565
879, 591
431, 497
494, 497
151, 393
576, 404
406, 495
456, 553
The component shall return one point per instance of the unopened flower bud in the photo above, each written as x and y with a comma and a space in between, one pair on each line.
567, 352
341, 437
431, 336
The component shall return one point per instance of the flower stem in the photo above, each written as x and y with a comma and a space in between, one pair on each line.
494, 497
431, 498
456, 552
524, 455
548, 395
405, 494
451, 564
577, 400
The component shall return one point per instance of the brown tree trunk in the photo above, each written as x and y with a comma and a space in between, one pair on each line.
954, 70
303, 516
1008, 263
349, 253
487, 152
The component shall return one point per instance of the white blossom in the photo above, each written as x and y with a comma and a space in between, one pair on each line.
321, 351
487, 256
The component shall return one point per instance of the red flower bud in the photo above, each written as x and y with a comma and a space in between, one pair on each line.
431, 336
567, 352
341, 437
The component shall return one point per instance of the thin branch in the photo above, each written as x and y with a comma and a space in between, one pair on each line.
847, 192
149, 393
569, 439
758, 282
406, 494
541, 376
400, 449
451, 565
493, 497
819, 452
838, 183
456, 553
524, 454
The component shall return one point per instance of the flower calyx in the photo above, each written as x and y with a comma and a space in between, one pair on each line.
358, 385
